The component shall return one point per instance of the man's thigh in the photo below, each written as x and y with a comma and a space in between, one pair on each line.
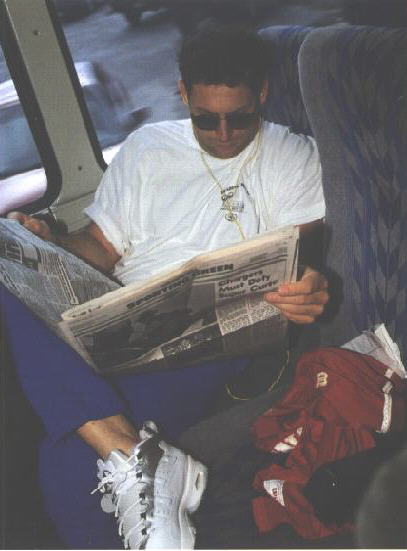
216, 439
223, 442
227, 424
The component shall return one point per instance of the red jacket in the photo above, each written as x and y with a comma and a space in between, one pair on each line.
338, 400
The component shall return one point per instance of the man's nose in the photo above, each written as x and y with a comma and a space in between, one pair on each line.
224, 131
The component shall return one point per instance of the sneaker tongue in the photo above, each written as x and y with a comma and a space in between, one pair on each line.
148, 430
107, 503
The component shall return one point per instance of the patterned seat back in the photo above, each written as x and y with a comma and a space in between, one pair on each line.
354, 84
284, 103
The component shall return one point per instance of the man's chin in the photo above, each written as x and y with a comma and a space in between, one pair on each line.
224, 152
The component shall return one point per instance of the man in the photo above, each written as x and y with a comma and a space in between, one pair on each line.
174, 190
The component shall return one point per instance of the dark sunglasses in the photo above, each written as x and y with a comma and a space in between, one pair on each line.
235, 121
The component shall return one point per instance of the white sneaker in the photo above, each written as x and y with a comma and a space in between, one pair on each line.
152, 493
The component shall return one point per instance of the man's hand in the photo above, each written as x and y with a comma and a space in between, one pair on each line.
34, 225
90, 244
301, 301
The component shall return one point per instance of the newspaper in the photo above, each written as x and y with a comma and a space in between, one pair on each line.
378, 344
208, 307
45, 277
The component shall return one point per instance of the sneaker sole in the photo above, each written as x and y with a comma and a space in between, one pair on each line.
195, 484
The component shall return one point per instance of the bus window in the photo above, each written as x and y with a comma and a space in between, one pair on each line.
18, 152
134, 64
22, 179
109, 106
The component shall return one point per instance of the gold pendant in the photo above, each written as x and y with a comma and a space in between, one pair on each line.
230, 217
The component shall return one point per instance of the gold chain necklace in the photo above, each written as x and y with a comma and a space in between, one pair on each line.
226, 197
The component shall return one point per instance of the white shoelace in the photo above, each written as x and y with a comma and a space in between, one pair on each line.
110, 471
123, 482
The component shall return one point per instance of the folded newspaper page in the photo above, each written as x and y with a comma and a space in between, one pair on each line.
48, 279
209, 307
377, 343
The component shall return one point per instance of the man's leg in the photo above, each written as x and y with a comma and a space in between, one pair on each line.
110, 433
67, 475
224, 443
86, 418
62, 389
217, 439
68, 397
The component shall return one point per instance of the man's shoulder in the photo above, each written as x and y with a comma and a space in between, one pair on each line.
159, 132
150, 140
282, 139
274, 131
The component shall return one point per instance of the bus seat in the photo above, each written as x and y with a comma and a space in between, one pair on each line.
284, 103
354, 83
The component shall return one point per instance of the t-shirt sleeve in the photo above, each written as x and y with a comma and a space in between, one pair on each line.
298, 197
114, 196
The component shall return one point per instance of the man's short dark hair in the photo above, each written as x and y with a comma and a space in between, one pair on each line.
227, 55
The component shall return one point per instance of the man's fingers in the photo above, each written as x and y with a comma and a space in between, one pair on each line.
19, 216
34, 225
300, 319
301, 314
302, 310
301, 301
310, 283
320, 297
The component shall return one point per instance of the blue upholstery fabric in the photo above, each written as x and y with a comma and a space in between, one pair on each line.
354, 84
284, 103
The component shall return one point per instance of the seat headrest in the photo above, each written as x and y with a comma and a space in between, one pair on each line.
284, 103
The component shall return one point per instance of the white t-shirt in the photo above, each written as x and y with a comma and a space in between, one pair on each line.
158, 204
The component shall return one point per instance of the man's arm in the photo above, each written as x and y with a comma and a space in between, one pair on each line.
89, 244
304, 300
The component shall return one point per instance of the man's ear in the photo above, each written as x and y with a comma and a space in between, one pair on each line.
264, 92
183, 92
